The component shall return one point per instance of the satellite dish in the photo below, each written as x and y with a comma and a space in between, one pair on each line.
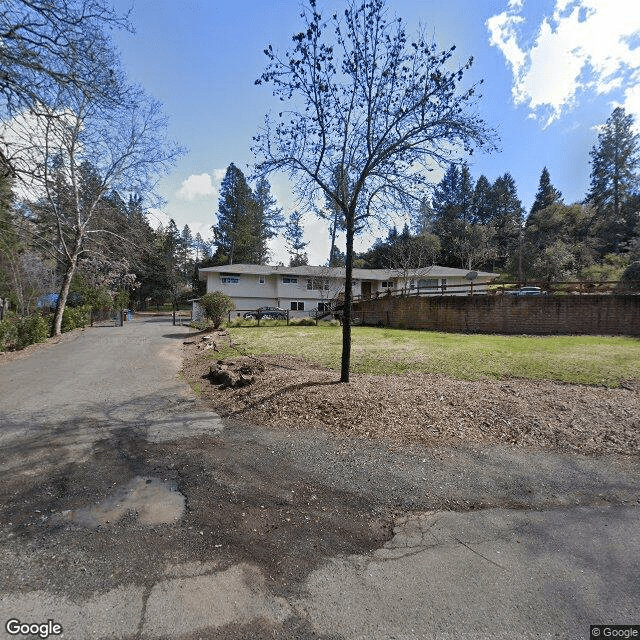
472, 275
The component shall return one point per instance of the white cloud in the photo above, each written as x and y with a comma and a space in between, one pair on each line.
197, 186
586, 45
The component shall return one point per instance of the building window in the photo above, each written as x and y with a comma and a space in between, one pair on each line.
315, 284
297, 305
289, 280
428, 283
387, 284
260, 279
324, 306
229, 279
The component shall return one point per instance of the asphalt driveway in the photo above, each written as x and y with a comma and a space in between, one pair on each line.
128, 510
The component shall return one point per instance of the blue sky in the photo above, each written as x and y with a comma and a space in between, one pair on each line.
553, 71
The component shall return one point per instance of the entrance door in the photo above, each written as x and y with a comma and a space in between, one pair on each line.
366, 289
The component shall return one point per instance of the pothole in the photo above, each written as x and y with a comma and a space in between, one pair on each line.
151, 500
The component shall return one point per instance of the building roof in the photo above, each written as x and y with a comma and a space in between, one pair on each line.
339, 272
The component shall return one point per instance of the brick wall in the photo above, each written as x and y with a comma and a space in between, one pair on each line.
545, 315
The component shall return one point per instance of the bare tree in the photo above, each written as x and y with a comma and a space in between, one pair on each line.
48, 45
361, 96
76, 152
411, 256
474, 245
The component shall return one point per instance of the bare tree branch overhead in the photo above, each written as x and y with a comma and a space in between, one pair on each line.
46, 46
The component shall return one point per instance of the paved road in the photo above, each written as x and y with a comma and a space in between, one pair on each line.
130, 511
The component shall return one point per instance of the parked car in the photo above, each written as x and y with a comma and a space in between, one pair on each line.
526, 291
266, 313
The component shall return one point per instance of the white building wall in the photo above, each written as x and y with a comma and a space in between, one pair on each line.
249, 293
252, 290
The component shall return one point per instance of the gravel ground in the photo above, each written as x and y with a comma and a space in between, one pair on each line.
421, 408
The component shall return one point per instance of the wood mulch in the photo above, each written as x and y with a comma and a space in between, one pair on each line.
418, 408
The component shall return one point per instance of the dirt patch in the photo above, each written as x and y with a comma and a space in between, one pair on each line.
428, 409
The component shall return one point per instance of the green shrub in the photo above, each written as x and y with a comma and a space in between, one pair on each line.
73, 318
611, 268
216, 305
630, 280
31, 329
8, 332
121, 299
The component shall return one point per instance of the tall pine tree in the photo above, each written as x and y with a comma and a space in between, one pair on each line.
546, 195
235, 232
269, 220
507, 221
483, 208
615, 161
246, 220
294, 237
453, 211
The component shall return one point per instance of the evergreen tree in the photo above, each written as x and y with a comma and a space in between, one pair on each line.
269, 219
186, 238
446, 196
555, 244
483, 209
135, 209
156, 273
401, 251
546, 195
465, 196
422, 220
236, 235
615, 160
171, 251
186, 245
338, 258
200, 246
9, 242
294, 236
453, 211
507, 221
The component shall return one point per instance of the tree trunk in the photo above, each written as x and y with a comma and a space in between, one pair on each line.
64, 294
348, 297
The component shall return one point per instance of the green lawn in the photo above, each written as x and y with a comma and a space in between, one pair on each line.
576, 359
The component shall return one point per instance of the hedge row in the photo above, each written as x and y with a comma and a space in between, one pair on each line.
18, 332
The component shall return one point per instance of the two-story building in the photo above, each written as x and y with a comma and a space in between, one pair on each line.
306, 290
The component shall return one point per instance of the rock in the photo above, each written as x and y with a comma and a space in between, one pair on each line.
221, 377
233, 374
244, 380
